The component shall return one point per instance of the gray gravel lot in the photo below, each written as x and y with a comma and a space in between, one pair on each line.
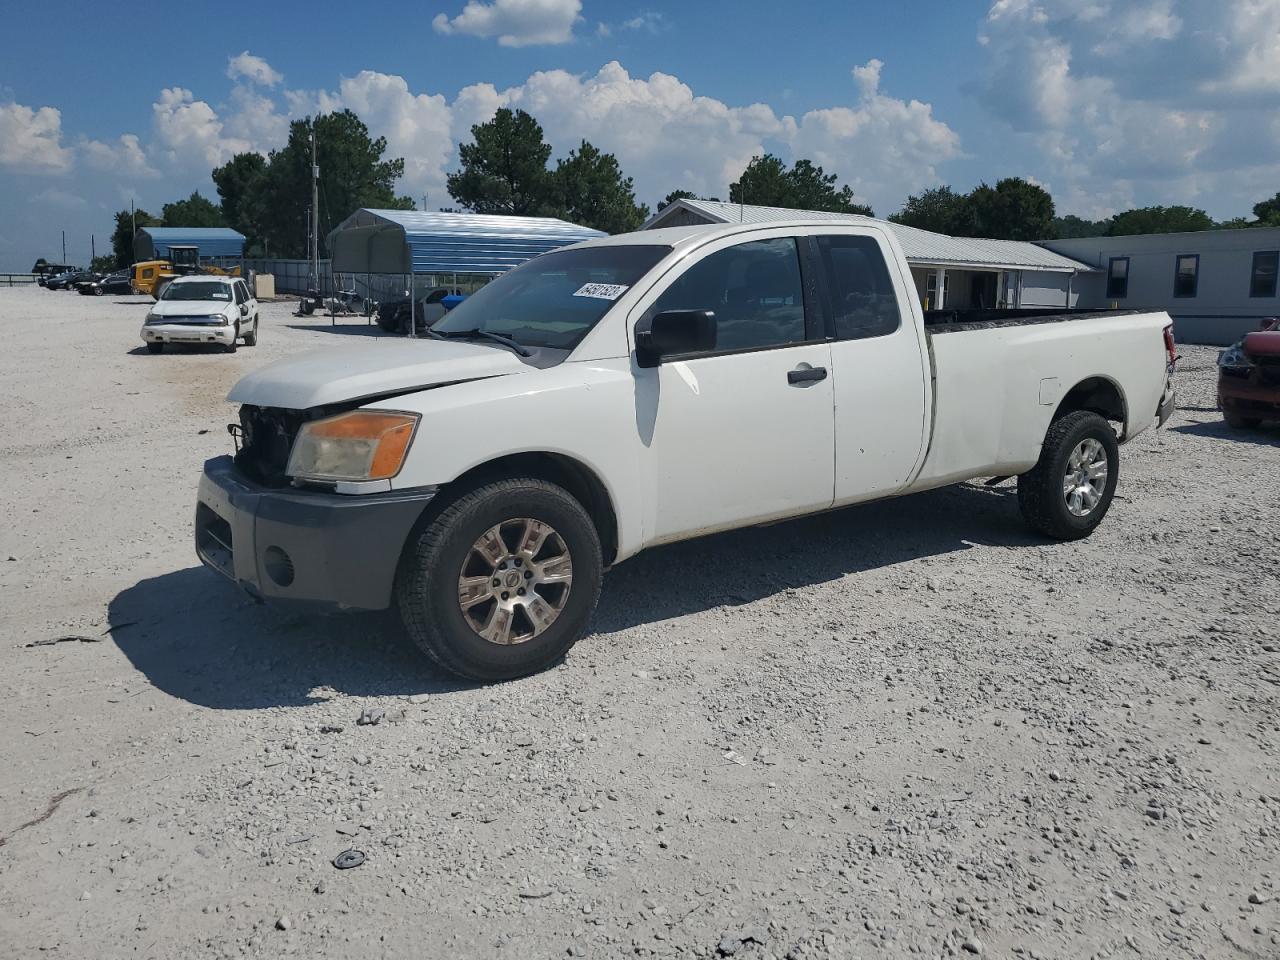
909, 728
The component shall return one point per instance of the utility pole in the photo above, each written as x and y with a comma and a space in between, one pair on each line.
93, 249
133, 228
64, 246
315, 212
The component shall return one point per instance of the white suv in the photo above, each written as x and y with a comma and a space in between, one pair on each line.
203, 309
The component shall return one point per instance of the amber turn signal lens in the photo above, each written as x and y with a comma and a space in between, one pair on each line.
361, 445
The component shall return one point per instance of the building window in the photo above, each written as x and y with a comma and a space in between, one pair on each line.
1262, 282
1186, 275
1118, 278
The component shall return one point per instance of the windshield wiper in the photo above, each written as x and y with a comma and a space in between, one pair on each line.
495, 337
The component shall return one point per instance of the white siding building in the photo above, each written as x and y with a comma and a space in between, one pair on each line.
970, 272
1216, 284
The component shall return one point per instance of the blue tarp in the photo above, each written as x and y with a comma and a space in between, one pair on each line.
412, 241
151, 243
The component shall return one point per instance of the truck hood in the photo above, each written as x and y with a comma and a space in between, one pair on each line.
340, 375
188, 308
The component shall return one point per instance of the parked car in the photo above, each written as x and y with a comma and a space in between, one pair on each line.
89, 277
63, 281
202, 309
115, 283
45, 271
646, 388
1249, 378
393, 315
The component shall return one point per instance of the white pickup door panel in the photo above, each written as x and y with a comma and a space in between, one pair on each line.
731, 441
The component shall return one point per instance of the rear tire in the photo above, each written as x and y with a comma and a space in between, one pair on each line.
439, 556
155, 347
1237, 422
1069, 490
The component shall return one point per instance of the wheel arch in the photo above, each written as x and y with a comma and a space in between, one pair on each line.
1098, 394
581, 482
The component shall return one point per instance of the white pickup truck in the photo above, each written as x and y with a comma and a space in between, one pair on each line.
646, 388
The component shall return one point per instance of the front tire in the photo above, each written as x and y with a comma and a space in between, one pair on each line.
1237, 422
1069, 490
251, 338
98, 291
503, 581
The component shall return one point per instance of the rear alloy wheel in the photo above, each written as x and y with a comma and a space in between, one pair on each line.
1068, 492
503, 581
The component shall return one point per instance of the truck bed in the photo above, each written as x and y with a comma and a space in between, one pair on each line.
951, 321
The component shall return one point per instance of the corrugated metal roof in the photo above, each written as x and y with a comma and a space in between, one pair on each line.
403, 241
152, 242
919, 246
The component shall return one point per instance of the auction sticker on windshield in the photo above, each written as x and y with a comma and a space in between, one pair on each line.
601, 291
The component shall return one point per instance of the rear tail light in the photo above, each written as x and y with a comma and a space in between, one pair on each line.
1170, 348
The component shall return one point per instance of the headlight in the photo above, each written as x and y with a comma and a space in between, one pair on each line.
219, 318
1234, 358
152, 317
361, 445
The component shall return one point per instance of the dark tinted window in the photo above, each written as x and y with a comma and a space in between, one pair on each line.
554, 299
1262, 282
862, 297
1118, 278
754, 289
1186, 276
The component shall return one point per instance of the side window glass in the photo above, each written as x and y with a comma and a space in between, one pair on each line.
754, 289
862, 297
240, 298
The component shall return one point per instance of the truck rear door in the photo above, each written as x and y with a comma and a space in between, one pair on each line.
879, 365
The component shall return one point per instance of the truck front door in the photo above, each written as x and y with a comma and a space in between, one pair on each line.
879, 367
743, 433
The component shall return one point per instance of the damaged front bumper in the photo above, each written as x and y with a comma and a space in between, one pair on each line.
304, 545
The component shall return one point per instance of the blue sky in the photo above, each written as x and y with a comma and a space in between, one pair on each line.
1108, 103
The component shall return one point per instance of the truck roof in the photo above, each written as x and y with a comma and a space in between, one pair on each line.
683, 236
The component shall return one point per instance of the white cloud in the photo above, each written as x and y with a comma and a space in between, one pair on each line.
31, 140
189, 132
1139, 101
417, 126
650, 21
516, 23
125, 157
884, 147
246, 66
61, 199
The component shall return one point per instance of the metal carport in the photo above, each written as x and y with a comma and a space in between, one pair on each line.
417, 243
214, 243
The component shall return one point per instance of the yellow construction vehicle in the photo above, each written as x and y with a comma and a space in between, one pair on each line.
150, 277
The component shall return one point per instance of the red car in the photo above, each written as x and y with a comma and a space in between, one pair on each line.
1249, 378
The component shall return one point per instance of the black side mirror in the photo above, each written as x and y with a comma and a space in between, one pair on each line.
674, 333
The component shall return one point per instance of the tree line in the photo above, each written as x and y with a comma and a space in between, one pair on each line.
507, 169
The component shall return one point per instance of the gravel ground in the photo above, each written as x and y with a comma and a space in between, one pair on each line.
904, 729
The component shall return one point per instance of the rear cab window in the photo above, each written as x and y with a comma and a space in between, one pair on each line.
860, 293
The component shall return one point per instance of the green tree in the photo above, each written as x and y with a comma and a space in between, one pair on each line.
1268, 211
236, 180
767, 182
505, 169
195, 211
1071, 226
675, 195
941, 210
592, 191
122, 236
353, 174
1014, 209
1159, 220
